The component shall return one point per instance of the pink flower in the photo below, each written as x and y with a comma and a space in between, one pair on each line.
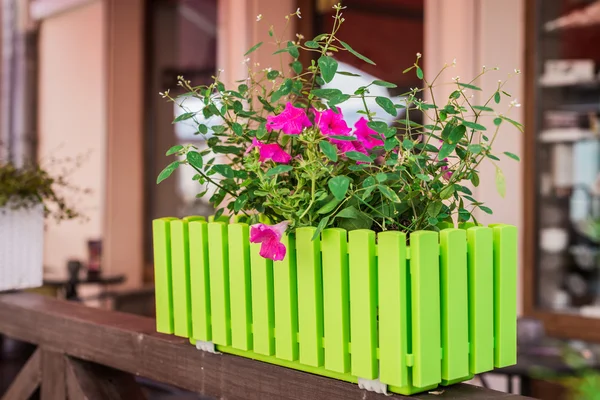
271, 151
331, 123
367, 136
270, 237
291, 121
448, 174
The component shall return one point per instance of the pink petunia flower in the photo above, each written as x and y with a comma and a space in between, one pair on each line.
367, 136
270, 237
291, 121
271, 151
331, 123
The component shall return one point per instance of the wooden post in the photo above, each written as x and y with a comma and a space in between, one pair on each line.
27, 381
53, 375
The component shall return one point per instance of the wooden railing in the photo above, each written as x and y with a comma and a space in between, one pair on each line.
94, 354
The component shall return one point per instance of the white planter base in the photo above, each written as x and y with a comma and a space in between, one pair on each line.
21, 248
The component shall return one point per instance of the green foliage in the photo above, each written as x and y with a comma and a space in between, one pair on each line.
414, 179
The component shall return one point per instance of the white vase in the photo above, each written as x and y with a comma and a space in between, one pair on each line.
21, 247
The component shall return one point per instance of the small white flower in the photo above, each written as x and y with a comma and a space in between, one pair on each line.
418, 55
329, 54
267, 69
299, 36
499, 80
220, 70
454, 62
456, 78
256, 64
496, 68
484, 67
298, 13
245, 61
517, 71
515, 103
258, 17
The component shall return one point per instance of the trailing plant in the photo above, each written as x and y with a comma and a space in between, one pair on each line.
282, 150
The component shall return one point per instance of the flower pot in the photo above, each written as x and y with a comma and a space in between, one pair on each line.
357, 306
21, 247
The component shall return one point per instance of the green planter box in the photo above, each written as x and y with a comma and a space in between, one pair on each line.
351, 305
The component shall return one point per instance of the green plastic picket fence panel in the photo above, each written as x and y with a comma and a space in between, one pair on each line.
286, 303
455, 305
218, 260
345, 306
310, 291
334, 251
505, 295
393, 308
263, 313
425, 293
199, 280
481, 298
161, 242
240, 300
363, 303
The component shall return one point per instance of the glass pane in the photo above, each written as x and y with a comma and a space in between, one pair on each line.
568, 156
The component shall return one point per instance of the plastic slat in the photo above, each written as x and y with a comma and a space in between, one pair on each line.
455, 304
505, 295
425, 281
481, 299
161, 236
263, 313
393, 308
286, 303
239, 285
199, 280
218, 259
310, 291
363, 303
180, 273
335, 299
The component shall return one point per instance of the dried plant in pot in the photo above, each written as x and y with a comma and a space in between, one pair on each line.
347, 251
28, 195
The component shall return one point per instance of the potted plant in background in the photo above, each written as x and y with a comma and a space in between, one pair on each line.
27, 195
333, 248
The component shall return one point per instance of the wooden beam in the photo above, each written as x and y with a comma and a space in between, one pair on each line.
27, 381
88, 381
129, 343
53, 375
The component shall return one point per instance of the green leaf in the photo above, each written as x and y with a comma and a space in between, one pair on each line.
408, 69
165, 173
348, 212
184, 116
280, 169
500, 182
512, 155
357, 156
174, 149
419, 72
293, 49
338, 100
237, 129
218, 129
423, 177
468, 86
378, 126
433, 221
475, 179
381, 177
322, 224
354, 219
463, 189
311, 44
385, 84
339, 186
194, 159
497, 97
355, 53
389, 193
272, 75
474, 125
463, 215
434, 209
329, 150
390, 144
387, 105
329, 206
475, 148
455, 95
517, 125
408, 144
203, 129
326, 93
497, 121
328, 67
486, 210
346, 73
446, 150
344, 138
224, 170
253, 48
447, 192
297, 67
456, 134
483, 108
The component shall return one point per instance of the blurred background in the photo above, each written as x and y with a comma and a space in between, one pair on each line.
82, 77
